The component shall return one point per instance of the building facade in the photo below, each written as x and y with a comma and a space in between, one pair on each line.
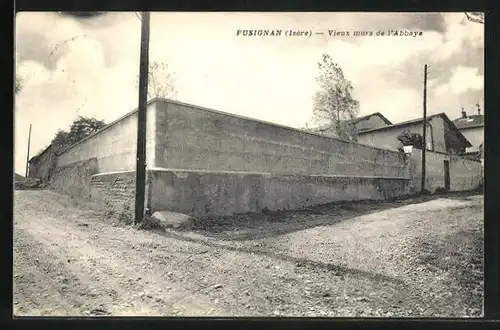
372, 121
441, 135
472, 127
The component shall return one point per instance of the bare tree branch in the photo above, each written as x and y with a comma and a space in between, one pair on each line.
161, 83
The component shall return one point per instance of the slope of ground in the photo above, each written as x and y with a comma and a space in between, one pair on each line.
421, 257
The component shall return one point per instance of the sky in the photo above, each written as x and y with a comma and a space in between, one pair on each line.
88, 66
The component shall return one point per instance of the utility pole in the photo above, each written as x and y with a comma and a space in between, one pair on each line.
140, 179
28, 153
424, 130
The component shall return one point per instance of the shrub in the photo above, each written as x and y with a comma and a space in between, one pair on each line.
440, 190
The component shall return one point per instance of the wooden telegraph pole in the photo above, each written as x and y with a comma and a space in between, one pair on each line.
28, 153
424, 147
140, 180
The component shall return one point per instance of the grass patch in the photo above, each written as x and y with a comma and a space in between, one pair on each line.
126, 216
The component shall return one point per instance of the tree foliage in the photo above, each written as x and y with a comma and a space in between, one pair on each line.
80, 129
161, 82
411, 139
334, 103
477, 17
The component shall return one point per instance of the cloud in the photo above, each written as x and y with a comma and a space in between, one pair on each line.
459, 33
33, 73
462, 80
89, 66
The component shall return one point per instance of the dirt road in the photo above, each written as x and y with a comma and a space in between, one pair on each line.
389, 259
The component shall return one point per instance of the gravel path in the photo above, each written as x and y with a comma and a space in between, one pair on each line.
350, 260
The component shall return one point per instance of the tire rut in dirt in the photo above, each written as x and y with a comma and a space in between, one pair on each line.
45, 286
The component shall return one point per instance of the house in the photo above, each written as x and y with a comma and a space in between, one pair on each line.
472, 127
442, 135
41, 165
371, 121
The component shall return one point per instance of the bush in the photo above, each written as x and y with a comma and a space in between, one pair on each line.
424, 192
28, 183
411, 139
440, 190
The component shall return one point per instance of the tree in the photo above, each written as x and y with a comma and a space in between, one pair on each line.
61, 140
477, 17
83, 127
18, 85
334, 102
161, 83
80, 129
411, 139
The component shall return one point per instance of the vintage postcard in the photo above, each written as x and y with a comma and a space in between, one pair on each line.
248, 164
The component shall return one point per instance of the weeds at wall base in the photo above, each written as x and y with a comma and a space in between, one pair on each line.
125, 218
148, 223
109, 213
440, 191
125, 215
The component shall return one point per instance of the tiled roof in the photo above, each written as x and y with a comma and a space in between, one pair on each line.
357, 120
414, 121
328, 126
408, 122
469, 121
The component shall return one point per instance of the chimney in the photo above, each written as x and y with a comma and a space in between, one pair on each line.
464, 114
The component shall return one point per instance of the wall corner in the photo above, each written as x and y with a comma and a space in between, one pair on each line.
151, 135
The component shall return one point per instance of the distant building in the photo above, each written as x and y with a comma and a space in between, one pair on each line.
371, 121
442, 135
42, 164
472, 127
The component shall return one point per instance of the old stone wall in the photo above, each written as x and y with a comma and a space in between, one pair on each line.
42, 168
74, 179
465, 174
203, 162
202, 193
114, 146
114, 193
189, 137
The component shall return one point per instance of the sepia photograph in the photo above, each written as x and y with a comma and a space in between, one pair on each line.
236, 164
